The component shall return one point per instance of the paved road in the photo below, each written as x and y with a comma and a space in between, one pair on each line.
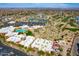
74, 51
8, 51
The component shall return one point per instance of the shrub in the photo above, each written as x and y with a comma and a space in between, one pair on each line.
48, 54
29, 33
60, 48
41, 52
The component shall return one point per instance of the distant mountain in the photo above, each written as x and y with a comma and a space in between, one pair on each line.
42, 8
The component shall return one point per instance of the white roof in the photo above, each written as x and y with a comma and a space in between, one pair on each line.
11, 22
22, 43
20, 36
14, 39
30, 38
11, 34
42, 44
7, 29
28, 41
24, 26
37, 26
32, 27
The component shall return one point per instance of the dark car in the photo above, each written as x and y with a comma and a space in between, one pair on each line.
78, 47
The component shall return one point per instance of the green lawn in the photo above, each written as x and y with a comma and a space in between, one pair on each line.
73, 29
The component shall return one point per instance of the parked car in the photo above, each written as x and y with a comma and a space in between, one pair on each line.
78, 48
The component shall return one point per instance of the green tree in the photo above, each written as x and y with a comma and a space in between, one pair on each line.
29, 33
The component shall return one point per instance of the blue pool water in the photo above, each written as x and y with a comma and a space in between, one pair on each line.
21, 30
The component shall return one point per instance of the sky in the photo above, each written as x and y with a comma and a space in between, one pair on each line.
39, 5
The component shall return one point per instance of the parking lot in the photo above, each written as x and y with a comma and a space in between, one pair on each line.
8, 51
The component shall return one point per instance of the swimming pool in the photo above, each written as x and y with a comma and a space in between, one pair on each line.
21, 30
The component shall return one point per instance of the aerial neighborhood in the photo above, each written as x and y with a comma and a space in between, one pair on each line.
40, 32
